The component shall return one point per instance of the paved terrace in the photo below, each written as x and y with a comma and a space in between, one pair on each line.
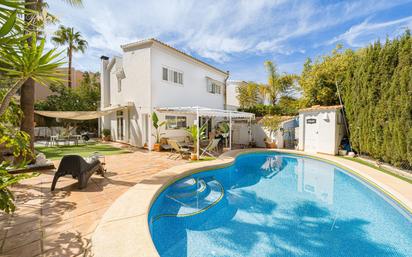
60, 223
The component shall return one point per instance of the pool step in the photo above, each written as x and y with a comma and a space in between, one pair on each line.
185, 185
188, 196
197, 205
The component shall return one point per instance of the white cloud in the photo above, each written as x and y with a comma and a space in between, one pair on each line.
212, 29
365, 32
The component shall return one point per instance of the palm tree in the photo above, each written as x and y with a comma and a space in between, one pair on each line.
277, 83
31, 18
24, 62
74, 41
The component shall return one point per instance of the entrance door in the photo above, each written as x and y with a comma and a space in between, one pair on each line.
311, 134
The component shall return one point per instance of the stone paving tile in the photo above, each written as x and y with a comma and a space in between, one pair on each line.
60, 223
31, 249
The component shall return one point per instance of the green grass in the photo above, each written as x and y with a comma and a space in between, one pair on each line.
378, 168
56, 153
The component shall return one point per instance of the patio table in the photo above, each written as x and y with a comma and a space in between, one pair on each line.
76, 139
53, 140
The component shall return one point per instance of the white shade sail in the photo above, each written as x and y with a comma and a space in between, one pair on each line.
80, 115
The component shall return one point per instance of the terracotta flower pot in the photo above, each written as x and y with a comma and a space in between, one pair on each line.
106, 138
270, 144
156, 147
193, 156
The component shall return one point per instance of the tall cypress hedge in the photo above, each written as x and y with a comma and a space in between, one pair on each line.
377, 93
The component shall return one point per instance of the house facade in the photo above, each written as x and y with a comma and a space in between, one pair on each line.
151, 75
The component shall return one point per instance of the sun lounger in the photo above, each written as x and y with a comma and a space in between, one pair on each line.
79, 168
178, 149
211, 148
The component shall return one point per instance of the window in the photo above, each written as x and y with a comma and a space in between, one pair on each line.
165, 74
176, 122
213, 87
172, 76
180, 79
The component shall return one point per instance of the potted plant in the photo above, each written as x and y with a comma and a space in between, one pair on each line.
270, 123
224, 129
157, 126
106, 134
193, 132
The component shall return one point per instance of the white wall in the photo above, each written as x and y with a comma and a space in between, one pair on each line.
231, 94
135, 88
260, 133
193, 92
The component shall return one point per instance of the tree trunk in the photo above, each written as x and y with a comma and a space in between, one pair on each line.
27, 106
27, 90
69, 83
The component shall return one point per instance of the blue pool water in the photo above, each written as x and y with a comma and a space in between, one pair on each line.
272, 204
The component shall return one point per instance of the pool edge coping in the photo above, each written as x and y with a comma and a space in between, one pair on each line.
135, 240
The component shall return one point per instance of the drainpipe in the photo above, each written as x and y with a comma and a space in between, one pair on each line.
225, 93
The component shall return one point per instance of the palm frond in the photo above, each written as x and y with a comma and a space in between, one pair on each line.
76, 3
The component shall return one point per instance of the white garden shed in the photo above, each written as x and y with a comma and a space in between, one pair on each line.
321, 129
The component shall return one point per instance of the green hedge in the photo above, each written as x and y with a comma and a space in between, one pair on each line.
377, 93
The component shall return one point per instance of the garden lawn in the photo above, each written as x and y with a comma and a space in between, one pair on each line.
56, 153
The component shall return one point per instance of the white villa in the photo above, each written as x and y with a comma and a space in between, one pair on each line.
153, 76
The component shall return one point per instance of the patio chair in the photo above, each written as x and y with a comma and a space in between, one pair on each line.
178, 149
211, 148
79, 168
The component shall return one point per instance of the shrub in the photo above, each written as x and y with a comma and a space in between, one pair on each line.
106, 132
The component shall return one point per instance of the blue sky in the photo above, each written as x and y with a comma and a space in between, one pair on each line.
234, 35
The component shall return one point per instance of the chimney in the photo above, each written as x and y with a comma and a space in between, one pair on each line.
104, 83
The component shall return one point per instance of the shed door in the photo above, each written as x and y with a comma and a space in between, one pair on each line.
311, 134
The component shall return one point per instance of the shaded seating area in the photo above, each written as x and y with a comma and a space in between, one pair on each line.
201, 116
79, 168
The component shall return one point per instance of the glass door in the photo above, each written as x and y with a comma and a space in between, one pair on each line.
120, 126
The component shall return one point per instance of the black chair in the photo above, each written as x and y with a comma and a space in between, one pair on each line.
76, 166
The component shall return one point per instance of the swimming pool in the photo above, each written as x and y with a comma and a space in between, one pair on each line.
276, 204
